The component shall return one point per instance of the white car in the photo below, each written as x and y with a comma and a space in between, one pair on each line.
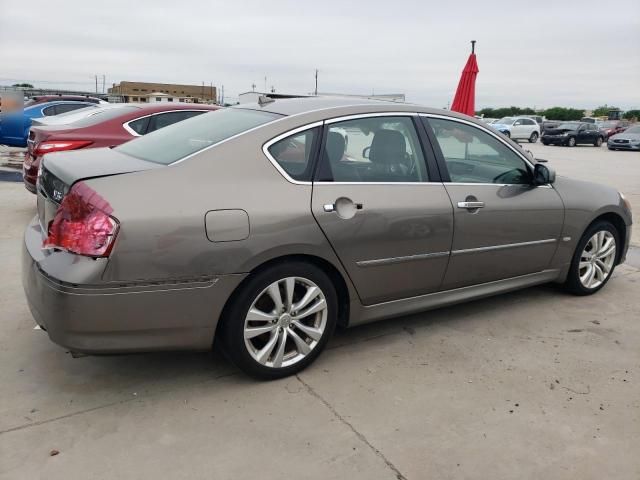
518, 128
75, 115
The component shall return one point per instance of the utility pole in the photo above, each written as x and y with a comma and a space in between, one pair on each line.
316, 90
253, 87
104, 80
96, 83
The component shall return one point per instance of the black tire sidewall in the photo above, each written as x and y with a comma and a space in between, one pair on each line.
232, 323
570, 140
573, 282
533, 138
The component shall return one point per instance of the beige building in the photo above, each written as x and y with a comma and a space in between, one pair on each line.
168, 92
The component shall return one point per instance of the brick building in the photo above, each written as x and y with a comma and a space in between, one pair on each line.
141, 92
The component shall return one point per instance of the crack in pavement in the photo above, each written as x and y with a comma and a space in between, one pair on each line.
360, 436
107, 405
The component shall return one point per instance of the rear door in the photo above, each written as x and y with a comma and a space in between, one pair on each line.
387, 216
503, 225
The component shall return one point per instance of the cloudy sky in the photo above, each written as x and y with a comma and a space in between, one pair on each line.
530, 52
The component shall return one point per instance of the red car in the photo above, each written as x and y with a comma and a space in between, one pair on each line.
109, 128
612, 127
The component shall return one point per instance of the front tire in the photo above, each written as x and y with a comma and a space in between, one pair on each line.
533, 138
594, 260
598, 142
571, 142
280, 320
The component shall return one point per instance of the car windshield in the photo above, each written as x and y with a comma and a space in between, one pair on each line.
635, 130
505, 120
568, 126
176, 141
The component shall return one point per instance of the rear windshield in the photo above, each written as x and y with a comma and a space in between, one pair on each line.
102, 116
176, 141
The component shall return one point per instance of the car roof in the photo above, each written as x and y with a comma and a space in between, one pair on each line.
297, 106
162, 106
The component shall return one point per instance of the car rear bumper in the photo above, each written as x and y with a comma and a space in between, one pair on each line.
103, 318
30, 172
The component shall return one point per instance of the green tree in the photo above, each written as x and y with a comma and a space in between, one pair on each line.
631, 114
22, 85
562, 113
505, 112
603, 110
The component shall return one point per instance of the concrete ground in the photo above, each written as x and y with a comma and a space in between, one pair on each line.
529, 385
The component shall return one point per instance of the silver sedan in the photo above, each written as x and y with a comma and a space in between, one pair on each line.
264, 226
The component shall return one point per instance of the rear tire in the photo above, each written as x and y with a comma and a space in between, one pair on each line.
598, 142
571, 142
268, 337
594, 260
533, 138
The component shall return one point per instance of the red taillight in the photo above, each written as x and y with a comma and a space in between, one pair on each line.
59, 145
83, 224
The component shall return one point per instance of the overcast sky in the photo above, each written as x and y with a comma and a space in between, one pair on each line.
530, 52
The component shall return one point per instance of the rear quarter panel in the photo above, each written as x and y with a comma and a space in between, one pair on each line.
162, 214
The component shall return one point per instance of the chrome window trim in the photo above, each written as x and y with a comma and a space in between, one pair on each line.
523, 185
440, 184
276, 120
502, 247
357, 116
393, 260
126, 126
282, 136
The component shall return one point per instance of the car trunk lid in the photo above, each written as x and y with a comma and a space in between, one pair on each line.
61, 170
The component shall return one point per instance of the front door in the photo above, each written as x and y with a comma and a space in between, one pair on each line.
389, 225
503, 225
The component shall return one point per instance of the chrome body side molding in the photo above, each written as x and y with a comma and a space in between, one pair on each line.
430, 301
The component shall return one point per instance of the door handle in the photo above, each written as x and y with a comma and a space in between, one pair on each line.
470, 205
331, 207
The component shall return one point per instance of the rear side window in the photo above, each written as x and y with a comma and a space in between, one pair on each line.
294, 153
47, 112
139, 126
165, 119
181, 139
69, 107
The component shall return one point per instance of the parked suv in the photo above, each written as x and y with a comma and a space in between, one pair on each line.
518, 128
573, 133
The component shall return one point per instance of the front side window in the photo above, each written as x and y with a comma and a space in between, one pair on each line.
294, 153
176, 141
374, 149
474, 156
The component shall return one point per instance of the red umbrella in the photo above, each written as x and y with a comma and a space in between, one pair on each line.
465, 99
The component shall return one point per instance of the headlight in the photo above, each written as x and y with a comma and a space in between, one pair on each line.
626, 202
564, 134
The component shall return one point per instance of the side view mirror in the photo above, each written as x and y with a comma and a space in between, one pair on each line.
543, 175
365, 152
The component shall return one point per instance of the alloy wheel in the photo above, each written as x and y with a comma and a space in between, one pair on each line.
285, 322
572, 142
597, 259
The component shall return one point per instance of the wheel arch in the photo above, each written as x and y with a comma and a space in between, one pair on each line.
336, 277
618, 222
